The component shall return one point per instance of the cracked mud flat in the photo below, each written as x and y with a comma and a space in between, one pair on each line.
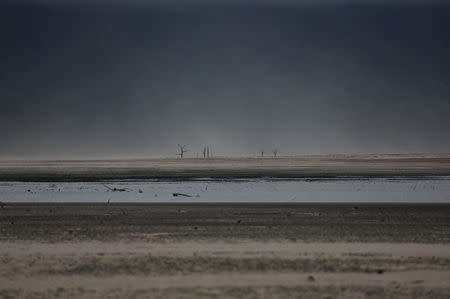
225, 250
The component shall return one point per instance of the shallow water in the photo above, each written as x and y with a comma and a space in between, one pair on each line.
434, 189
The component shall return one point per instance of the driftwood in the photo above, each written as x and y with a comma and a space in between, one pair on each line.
181, 194
115, 189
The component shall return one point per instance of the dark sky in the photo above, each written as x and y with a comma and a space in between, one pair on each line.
93, 79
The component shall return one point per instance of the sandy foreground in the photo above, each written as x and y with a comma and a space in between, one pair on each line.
188, 168
225, 250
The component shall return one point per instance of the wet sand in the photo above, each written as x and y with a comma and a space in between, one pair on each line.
225, 250
228, 168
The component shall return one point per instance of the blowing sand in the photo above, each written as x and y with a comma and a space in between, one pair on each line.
225, 250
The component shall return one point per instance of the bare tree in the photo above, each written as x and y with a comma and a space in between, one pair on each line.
262, 153
182, 149
275, 152
204, 152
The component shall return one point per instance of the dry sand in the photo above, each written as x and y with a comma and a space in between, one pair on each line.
225, 250
281, 167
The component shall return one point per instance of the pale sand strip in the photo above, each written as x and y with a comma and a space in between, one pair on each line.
424, 278
237, 248
228, 167
57, 252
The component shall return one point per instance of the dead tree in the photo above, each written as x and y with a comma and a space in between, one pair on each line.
275, 153
204, 152
182, 149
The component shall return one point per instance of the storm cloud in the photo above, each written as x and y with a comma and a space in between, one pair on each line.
124, 79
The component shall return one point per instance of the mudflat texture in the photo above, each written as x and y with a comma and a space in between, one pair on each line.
189, 168
224, 250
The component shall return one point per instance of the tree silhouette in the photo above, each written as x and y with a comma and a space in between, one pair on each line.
182, 149
275, 152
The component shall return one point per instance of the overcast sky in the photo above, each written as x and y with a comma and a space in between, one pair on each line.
93, 79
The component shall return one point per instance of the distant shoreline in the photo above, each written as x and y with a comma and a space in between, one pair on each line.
327, 166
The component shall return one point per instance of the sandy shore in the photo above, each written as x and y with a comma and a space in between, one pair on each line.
280, 167
226, 250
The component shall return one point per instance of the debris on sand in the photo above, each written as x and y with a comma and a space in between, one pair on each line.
115, 189
181, 194
380, 271
311, 278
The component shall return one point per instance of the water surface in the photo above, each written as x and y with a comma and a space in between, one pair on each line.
424, 189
